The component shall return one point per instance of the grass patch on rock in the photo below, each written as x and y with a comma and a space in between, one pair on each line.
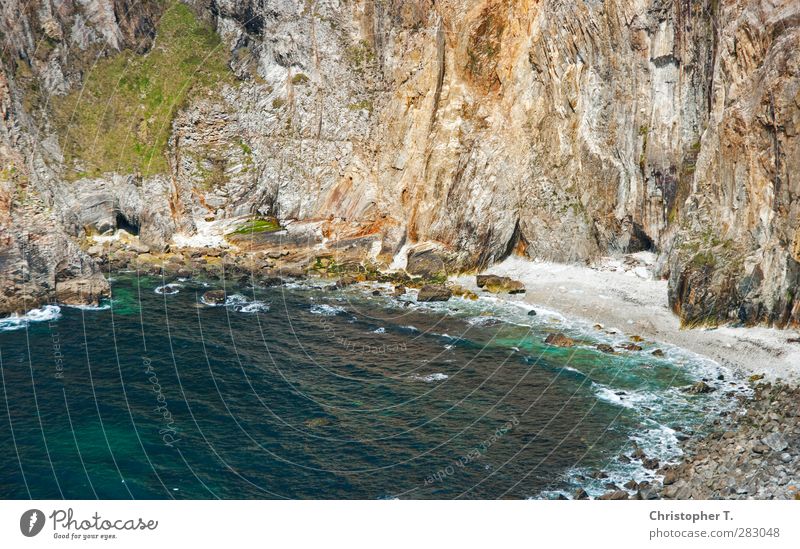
257, 226
121, 118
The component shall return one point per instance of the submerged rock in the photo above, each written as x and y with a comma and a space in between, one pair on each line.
605, 348
700, 387
215, 297
559, 340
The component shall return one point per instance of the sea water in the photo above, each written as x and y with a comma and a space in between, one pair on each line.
301, 391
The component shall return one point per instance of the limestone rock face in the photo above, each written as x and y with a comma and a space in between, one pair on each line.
445, 136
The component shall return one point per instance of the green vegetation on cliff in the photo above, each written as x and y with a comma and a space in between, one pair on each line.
258, 225
121, 119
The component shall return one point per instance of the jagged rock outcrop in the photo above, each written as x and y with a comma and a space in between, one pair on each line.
457, 132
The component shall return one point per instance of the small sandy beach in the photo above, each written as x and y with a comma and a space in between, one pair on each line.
621, 294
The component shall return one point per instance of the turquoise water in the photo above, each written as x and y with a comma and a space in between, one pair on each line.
302, 392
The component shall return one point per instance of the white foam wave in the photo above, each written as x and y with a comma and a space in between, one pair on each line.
254, 307
102, 307
169, 289
236, 299
43, 314
430, 377
326, 310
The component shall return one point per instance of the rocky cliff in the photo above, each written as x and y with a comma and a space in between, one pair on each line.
419, 132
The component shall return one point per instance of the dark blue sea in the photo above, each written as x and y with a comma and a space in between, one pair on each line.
301, 391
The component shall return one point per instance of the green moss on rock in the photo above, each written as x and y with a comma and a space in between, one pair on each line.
258, 225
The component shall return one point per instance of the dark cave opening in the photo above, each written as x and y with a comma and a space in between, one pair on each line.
639, 241
127, 225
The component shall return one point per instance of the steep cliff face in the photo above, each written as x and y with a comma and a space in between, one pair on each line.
735, 256
462, 130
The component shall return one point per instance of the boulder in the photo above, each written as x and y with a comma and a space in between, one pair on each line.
776, 441
559, 340
270, 281
615, 495
631, 347
461, 291
138, 247
427, 264
434, 292
670, 476
647, 494
499, 284
605, 348
650, 463
580, 493
82, 290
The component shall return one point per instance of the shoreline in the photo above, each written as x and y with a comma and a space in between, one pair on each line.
626, 298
